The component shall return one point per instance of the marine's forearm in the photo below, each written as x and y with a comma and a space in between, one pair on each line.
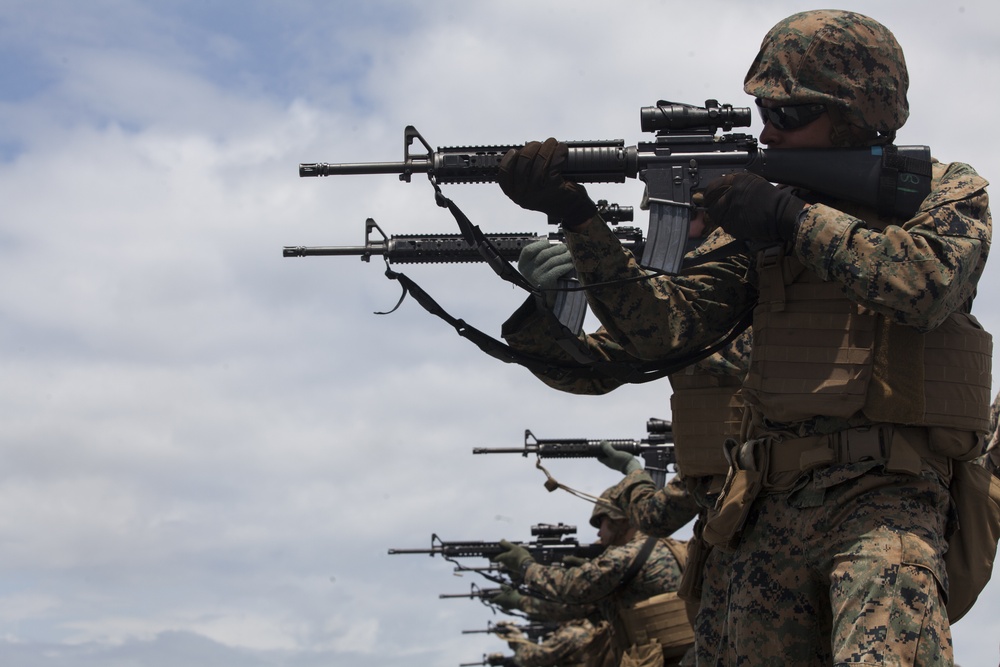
659, 317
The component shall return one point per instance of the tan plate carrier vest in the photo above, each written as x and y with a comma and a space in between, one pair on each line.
706, 410
662, 618
816, 352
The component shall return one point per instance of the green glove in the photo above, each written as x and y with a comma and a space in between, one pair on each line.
514, 559
532, 177
616, 460
750, 208
507, 598
543, 263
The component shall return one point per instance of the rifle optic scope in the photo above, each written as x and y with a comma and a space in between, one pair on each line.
654, 425
552, 530
671, 116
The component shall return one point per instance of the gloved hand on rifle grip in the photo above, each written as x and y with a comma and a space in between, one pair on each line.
750, 208
543, 263
532, 177
616, 460
507, 598
514, 559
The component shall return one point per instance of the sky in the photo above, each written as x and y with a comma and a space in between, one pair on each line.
208, 449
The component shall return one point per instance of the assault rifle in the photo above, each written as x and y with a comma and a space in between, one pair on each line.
686, 155
493, 660
454, 249
552, 545
656, 449
475, 593
570, 307
533, 631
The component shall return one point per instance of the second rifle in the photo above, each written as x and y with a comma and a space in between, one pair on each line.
656, 450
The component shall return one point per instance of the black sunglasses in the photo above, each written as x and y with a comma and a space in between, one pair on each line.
790, 116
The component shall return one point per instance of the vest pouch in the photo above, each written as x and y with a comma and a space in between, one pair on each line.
661, 620
954, 444
972, 548
689, 589
743, 485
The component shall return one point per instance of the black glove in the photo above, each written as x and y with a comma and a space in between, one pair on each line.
749, 208
532, 177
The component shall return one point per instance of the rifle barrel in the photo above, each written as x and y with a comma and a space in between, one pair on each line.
499, 450
351, 168
307, 251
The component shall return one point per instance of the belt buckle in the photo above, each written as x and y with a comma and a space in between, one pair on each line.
862, 443
743, 456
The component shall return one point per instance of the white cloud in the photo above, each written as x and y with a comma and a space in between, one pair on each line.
208, 448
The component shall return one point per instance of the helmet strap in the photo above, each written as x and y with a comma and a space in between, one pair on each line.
843, 134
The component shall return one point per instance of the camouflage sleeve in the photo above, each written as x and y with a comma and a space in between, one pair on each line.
597, 579
561, 647
733, 360
917, 273
535, 331
653, 316
538, 609
658, 512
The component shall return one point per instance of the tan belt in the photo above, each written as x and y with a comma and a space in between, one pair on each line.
773, 465
781, 461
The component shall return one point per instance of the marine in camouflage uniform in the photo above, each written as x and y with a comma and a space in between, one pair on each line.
571, 644
869, 379
696, 413
610, 582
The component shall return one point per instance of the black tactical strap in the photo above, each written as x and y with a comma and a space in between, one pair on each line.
475, 237
639, 560
638, 372
888, 183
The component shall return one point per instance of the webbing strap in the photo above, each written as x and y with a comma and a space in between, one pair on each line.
892, 164
584, 365
475, 237
638, 372
639, 560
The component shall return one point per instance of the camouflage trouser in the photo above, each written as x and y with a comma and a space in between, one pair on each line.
711, 605
711, 618
842, 572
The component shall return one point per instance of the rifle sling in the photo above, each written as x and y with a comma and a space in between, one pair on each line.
475, 237
639, 560
637, 372
584, 366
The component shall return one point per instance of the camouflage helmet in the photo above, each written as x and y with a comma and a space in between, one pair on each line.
845, 60
605, 506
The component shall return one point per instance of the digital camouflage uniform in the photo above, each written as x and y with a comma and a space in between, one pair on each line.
991, 458
840, 562
547, 609
661, 512
598, 581
569, 645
